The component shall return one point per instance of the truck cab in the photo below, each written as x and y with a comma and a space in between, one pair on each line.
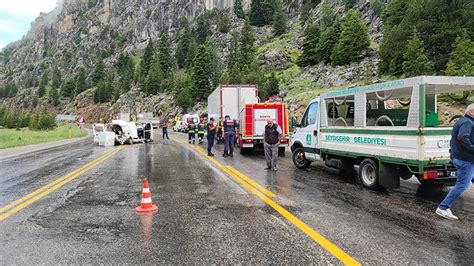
305, 146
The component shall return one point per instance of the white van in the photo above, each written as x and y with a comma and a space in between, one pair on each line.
391, 130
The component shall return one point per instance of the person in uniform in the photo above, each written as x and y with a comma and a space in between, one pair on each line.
229, 136
191, 131
164, 128
201, 127
211, 132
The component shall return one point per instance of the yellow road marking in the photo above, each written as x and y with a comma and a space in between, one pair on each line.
318, 238
25, 201
251, 182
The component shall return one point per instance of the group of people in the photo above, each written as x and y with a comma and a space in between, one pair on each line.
222, 130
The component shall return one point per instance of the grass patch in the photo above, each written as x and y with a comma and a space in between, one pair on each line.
14, 138
283, 43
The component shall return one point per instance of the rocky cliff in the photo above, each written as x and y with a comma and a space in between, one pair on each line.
78, 32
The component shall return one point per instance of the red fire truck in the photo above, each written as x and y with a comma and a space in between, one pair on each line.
253, 118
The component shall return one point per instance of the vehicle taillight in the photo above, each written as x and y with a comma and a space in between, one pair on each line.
284, 141
247, 140
430, 175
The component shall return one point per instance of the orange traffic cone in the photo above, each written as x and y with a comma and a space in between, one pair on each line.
147, 205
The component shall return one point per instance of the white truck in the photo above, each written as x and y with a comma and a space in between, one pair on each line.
229, 100
390, 130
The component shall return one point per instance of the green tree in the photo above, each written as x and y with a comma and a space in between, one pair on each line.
67, 89
33, 124
98, 75
164, 54
327, 42
438, 22
182, 48
306, 8
280, 20
56, 80
377, 6
46, 121
349, 3
154, 79
223, 25
311, 39
415, 60
239, 9
255, 14
327, 16
354, 39
43, 83
202, 29
147, 59
272, 85
183, 98
202, 73
80, 81
54, 96
461, 60
246, 45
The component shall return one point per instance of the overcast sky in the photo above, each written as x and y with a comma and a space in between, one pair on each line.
16, 17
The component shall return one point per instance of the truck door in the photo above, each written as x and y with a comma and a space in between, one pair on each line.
309, 131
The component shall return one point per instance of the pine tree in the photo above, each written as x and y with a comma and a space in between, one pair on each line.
255, 15
223, 25
154, 78
311, 39
415, 61
147, 59
233, 51
67, 89
246, 45
239, 9
54, 96
306, 8
164, 54
280, 21
377, 7
42, 85
56, 80
80, 81
272, 85
327, 16
98, 75
202, 73
202, 29
461, 60
182, 48
354, 39
327, 41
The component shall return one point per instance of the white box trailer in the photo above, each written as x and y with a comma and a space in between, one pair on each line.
229, 100
391, 130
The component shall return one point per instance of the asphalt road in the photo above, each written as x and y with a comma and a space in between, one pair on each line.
207, 216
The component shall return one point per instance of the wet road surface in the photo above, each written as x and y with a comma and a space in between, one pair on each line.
205, 216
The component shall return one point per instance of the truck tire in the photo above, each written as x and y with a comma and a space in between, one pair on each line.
369, 174
299, 159
281, 150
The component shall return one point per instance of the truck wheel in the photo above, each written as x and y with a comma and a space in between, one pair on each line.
369, 174
300, 160
281, 150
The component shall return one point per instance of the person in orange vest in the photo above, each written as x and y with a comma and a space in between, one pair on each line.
219, 131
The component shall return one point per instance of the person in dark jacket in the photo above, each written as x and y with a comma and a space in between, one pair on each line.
192, 128
201, 130
462, 153
211, 132
271, 141
228, 133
